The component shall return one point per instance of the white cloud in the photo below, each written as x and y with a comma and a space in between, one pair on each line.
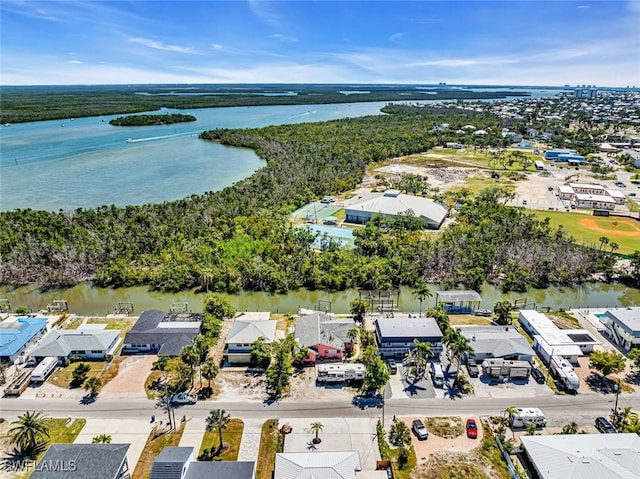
283, 38
266, 12
75, 62
397, 37
161, 46
582, 7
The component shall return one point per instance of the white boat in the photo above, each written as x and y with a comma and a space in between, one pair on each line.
129, 140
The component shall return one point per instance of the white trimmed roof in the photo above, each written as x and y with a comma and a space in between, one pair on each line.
61, 342
247, 331
497, 341
317, 465
599, 198
579, 456
586, 186
394, 203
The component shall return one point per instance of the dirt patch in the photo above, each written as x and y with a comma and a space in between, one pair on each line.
457, 465
303, 386
631, 228
131, 376
239, 385
446, 427
440, 176
216, 351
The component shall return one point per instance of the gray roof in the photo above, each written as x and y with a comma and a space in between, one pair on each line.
94, 461
322, 328
248, 330
394, 203
627, 318
317, 465
170, 462
60, 342
394, 330
457, 296
576, 456
497, 341
220, 469
146, 330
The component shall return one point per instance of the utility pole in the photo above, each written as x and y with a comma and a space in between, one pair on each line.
615, 407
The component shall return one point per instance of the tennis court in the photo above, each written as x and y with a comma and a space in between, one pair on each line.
316, 211
343, 235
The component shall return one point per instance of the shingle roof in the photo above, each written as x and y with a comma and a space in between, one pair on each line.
496, 341
60, 342
146, 331
94, 461
13, 336
322, 328
576, 456
170, 462
220, 469
248, 330
317, 465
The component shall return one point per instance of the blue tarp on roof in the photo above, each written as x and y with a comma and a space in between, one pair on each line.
13, 336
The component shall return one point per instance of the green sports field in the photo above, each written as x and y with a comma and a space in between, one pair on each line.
588, 229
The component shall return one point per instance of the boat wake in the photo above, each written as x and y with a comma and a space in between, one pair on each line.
152, 138
307, 113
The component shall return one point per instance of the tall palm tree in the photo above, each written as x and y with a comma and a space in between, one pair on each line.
421, 352
218, 419
316, 427
459, 348
29, 432
508, 412
191, 357
93, 386
101, 439
421, 292
209, 370
570, 428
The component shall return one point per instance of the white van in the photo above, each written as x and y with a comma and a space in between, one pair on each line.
437, 375
42, 371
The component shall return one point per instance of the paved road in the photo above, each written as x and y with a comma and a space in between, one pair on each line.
556, 408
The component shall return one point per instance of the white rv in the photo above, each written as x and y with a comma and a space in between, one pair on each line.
42, 371
333, 373
561, 368
525, 416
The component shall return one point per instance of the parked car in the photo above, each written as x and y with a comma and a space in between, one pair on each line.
538, 376
524, 202
393, 367
183, 398
472, 429
419, 429
472, 367
604, 426
482, 312
327, 200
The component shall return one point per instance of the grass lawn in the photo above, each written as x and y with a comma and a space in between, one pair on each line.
406, 472
448, 427
588, 229
152, 448
123, 324
153, 376
60, 432
231, 437
467, 319
63, 377
270, 444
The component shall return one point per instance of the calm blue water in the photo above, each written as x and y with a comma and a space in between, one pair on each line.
67, 164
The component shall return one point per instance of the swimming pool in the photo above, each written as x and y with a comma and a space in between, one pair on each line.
602, 317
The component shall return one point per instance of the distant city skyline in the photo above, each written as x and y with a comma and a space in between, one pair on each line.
550, 43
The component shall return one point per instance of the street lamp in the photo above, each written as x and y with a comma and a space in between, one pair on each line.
615, 407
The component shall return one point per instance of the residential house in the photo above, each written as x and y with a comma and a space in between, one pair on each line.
16, 336
578, 456
179, 463
504, 342
318, 464
326, 336
624, 326
86, 343
162, 333
395, 336
90, 461
247, 328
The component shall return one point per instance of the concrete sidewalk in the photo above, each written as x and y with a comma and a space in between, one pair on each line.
122, 431
250, 444
193, 433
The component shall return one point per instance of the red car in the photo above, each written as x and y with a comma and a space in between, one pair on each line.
472, 429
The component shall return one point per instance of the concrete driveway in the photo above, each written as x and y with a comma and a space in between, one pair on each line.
132, 374
122, 431
338, 434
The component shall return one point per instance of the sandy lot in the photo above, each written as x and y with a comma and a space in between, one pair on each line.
435, 444
131, 377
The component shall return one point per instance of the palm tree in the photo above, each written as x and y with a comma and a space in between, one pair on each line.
502, 309
316, 427
101, 439
508, 412
421, 292
218, 419
421, 353
459, 348
92, 386
614, 246
531, 429
603, 241
570, 428
209, 370
191, 357
29, 432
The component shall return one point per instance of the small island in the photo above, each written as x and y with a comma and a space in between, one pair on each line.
150, 120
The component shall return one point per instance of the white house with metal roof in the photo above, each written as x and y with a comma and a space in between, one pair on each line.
503, 342
579, 456
392, 203
87, 343
247, 328
625, 324
317, 465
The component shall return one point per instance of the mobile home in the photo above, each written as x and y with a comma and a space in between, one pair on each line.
42, 371
333, 373
506, 368
525, 416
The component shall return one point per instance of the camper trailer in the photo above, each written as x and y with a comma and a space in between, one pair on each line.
561, 369
42, 371
333, 373
504, 368
525, 416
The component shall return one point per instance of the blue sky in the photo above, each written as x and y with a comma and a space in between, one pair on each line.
474, 42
